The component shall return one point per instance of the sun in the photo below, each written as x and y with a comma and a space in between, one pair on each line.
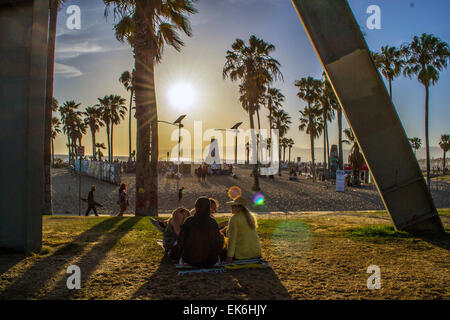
181, 95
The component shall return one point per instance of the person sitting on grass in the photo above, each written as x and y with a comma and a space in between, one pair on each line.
243, 240
200, 242
214, 205
172, 231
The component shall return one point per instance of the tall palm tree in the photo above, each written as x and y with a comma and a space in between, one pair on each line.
445, 146
416, 144
290, 145
56, 129
355, 158
309, 90
327, 98
311, 122
105, 107
390, 63
148, 26
54, 6
274, 99
426, 57
93, 121
284, 144
254, 66
281, 121
118, 111
128, 79
68, 112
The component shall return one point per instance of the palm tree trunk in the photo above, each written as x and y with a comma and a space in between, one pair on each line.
284, 153
255, 166
426, 135
146, 174
259, 137
324, 149
112, 140
312, 157
93, 145
290, 154
53, 153
129, 123
341, 156
47, 201
328, 146
109, 142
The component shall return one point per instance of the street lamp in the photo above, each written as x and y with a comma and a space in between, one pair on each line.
235, 127
179, 125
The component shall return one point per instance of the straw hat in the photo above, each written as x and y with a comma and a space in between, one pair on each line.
239, 202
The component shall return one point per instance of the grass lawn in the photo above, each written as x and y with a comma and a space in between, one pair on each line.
323, 257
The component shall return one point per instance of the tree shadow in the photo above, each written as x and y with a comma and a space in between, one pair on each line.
92, 259
439, 240
44, 269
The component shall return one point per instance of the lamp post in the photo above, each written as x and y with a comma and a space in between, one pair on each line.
235, 127
179, 125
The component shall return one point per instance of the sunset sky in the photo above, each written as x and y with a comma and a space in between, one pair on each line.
89, 62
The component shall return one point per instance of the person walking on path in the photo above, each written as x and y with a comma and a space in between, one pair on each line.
123, 200
91, 202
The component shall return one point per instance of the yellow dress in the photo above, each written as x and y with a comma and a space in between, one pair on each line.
243, 241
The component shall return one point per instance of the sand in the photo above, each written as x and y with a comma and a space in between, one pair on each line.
281, 195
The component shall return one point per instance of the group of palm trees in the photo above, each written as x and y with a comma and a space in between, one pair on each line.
253, 66
107, 113
424, 57
148, 26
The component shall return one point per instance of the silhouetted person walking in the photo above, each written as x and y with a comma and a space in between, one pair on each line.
91, 202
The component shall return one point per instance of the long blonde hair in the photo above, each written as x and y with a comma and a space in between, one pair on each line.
251, 220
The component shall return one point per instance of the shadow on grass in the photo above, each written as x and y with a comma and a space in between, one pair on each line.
251, 284
44, 269
383, 234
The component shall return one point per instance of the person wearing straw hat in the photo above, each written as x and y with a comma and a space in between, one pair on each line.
243, 240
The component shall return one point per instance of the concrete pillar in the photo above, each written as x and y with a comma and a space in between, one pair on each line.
369, 110
23, 54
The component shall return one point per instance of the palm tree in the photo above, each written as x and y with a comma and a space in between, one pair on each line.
54, 6
281, 121
445, 146
310, 92
105, 107
128, 79
416, 144
327, 98
254, 66
69, 117
149, 25
118, 111
426, 57
56, 129
390, 63
290, 145
274, 99
311, 122
93, 121
284, 144
355, 158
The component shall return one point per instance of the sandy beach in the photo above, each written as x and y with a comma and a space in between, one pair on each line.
281, 195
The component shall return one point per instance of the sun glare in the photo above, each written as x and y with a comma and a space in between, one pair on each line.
181, 95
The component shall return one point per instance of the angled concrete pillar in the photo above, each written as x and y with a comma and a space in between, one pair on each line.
23, 54
338, 41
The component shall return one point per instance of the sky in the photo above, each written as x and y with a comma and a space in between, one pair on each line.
89, 62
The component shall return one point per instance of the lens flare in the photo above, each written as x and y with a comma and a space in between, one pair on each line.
234, 192
258, 199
